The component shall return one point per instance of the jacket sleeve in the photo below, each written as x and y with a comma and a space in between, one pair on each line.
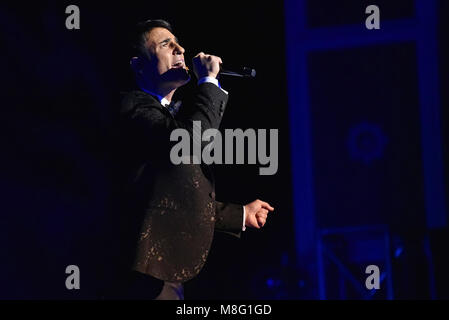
150, 125
229, 218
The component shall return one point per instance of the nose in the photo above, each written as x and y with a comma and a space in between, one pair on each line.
178, 49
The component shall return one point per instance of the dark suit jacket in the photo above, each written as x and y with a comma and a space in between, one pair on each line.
173, 206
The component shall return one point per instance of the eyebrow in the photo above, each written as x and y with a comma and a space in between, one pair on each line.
168, 40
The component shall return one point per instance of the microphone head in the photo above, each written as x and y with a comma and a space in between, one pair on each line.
249, 72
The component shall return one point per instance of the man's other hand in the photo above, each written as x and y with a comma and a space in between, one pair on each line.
256, 213
206, 65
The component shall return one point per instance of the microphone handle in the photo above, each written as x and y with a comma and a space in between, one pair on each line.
245, 73
224, 72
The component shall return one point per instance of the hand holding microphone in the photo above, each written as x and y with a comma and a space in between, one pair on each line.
205, 65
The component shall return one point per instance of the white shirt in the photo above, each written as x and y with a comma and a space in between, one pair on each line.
165, 103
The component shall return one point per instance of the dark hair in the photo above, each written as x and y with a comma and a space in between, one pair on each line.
142, 29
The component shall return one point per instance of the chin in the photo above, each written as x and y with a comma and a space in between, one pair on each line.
178, 77
184, 82
184, 75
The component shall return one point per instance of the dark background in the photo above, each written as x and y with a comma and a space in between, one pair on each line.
61, 90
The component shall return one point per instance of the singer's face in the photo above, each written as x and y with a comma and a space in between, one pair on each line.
166, 58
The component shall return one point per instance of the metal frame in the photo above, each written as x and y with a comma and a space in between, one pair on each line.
300, 41
324, 252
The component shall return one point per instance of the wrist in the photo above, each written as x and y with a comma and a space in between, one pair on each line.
210, 80
207, 75
244, 219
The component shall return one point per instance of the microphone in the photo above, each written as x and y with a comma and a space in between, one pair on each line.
244, 72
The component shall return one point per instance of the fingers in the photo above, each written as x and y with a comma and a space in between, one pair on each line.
208, 57
261, 221
265, 205
261, 217
206, 65
257, 213
253, 222
262, 213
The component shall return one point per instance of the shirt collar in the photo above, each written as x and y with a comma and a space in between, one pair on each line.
161, 99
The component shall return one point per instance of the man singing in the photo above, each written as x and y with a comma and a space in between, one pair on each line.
174, 205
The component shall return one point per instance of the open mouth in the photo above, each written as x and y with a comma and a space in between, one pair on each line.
178, 64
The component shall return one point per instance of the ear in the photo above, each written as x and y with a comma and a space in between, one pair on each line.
136, 64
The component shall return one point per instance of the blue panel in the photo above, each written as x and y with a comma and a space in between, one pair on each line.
303, 202
430, 114
300, 41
